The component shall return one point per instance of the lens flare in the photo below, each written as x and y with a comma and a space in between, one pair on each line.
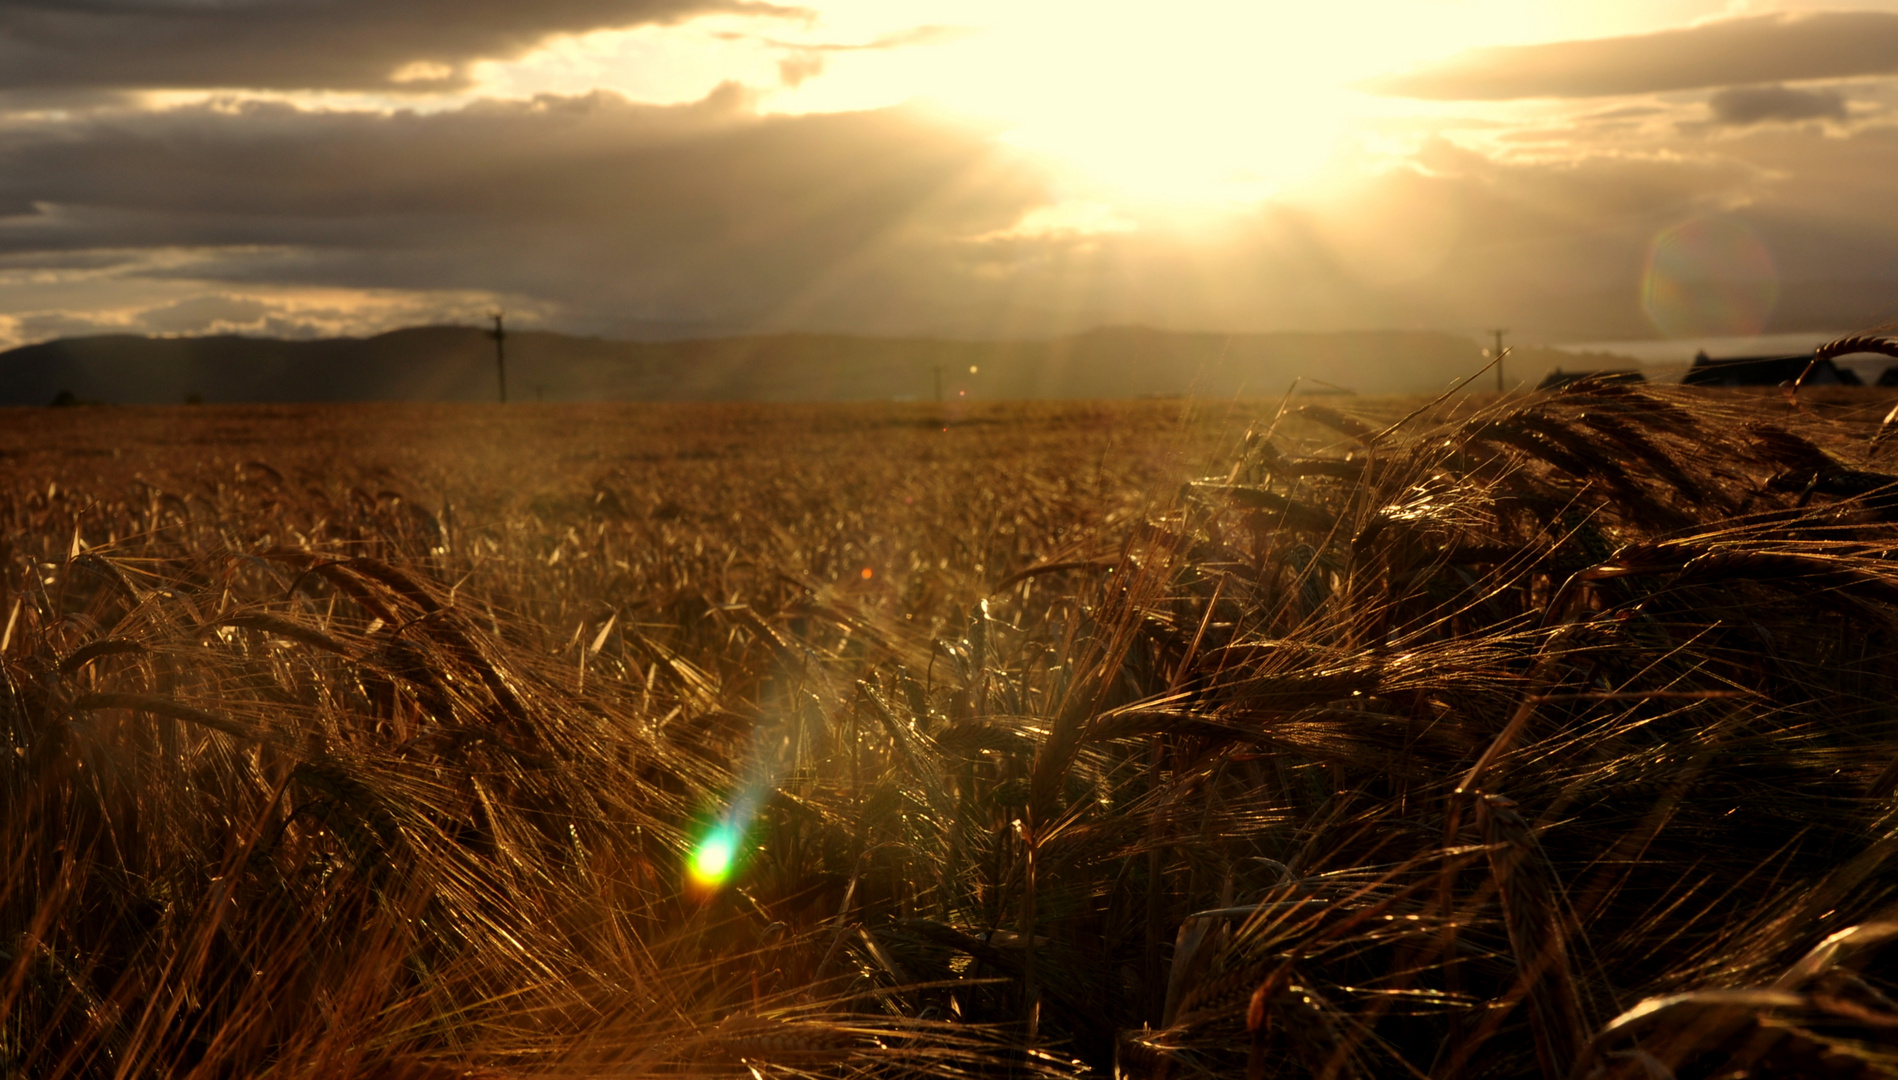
1709, 277
715, 857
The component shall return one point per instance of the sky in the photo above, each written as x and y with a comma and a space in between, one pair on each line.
1574, 170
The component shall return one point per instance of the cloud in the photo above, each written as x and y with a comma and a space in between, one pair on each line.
931, 34
183, 316
300, 314
1744, 106
698, 212
1622, 114
900, 39
47, 325
795, 70
408, 45
805, 60
596, 214
1752, 49
208, 313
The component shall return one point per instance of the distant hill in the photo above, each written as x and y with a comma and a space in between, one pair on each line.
446, 363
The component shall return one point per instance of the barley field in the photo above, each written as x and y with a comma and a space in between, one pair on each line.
1549, 735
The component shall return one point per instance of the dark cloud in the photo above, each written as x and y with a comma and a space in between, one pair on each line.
1562, 246
701, 211
600, 215
1744, 106
1752, 49
1460, 240
297, 44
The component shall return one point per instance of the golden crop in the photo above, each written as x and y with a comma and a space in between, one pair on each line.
1404, 739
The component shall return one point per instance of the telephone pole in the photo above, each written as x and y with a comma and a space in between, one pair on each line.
499, 334
1498, 354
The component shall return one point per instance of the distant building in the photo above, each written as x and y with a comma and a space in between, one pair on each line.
1767, 371
1558, 378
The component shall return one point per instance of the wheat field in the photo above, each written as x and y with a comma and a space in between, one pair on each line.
1550, 735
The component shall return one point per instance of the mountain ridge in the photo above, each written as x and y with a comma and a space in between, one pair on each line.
457, 363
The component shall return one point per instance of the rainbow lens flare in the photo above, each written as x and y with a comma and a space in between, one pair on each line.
715, 857
1709, 277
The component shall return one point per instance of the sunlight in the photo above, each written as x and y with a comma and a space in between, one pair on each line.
1207, 102
1217, 102
1215, 107
1202, 105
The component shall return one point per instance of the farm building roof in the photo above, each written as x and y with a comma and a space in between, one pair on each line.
1767, 371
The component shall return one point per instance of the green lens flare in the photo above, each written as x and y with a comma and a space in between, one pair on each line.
712, 859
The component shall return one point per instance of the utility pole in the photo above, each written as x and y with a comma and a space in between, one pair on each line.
938, 372
499, 334
1498, 354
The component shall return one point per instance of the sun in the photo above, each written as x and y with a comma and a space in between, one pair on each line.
1198, 107
1192, 102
